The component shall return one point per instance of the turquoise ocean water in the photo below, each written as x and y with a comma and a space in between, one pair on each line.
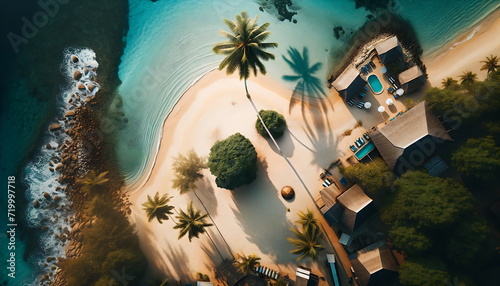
169, 48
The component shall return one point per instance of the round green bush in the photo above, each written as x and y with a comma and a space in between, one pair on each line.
274, 121
233, 162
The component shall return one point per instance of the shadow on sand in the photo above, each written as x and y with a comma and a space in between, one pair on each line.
262, 216
315, 105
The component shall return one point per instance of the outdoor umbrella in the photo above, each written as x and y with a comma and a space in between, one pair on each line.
400, 91
389, 101
368, 105
383, 69
381, 109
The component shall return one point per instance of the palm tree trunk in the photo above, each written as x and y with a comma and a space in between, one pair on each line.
274, 141
221, 257
206, 210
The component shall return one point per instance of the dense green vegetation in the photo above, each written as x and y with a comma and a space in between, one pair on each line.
441, 223
110, 243
274, 121
373, 177
233, 162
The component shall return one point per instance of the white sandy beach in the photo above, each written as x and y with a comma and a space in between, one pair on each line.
254, 218
468, 55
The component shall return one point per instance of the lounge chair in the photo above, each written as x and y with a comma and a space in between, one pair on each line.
366, 136
362, 95
353, 148
358, 144
362, 140
351, 102
372, 64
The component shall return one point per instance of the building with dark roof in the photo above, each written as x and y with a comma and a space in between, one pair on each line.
350, 208
228, 274
358, 207
349, 83
412, 79
411, 138
374, 265
389, 50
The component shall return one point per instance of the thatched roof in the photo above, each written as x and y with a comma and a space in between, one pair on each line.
389, 49
412, 79
358, 207
349, 82
399, 137
373, 264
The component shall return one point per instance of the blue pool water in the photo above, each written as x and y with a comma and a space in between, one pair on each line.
375, 84
365, 150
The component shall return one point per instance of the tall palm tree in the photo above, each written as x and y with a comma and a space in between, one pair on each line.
158, 207
188, 169
307, 242
448, 82
468, 77
92, 181
490, 64
244, 50
247, 264
307, 219
193, 223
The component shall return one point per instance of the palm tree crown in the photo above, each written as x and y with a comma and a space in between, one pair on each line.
244, 48
490, 64
468, 77
307, 219
158, 207
248, 263
307, 242
92, 180
192, 222
188, 170
447, 82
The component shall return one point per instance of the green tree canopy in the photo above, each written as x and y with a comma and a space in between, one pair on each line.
478, 158
191, 222
274, 121
247, 264
245, 48
187, 169
467, 241
424, 201
422, 274
409, 239
158, 207
233, 162
443, 100
307, 242
373, 177
449, 82
467, 77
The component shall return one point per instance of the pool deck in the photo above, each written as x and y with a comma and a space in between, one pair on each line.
371, 118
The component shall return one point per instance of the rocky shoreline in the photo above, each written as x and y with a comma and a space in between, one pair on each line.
83, 149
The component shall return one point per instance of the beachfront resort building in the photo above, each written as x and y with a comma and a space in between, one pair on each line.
349, 208
349, 83
412, 79
410, 139
389, 50
374, 265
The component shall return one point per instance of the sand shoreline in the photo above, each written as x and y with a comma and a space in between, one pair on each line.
215, 107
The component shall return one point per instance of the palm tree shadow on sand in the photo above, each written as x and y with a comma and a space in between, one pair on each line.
309, 93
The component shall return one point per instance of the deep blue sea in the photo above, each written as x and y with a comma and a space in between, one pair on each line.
168, 47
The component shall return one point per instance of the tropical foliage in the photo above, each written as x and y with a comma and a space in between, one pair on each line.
307, 242
307, 220
274, 121
490, 64
191, 222
422, 274
468, 77
478, 158
187, 169
373, 177
245, 48
247, 264
158, 207
449, 82
233, 162
93, 181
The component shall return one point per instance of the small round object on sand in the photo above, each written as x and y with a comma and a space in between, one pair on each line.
287, 193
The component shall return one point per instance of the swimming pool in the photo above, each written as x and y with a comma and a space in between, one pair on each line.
364, 150
375, 84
